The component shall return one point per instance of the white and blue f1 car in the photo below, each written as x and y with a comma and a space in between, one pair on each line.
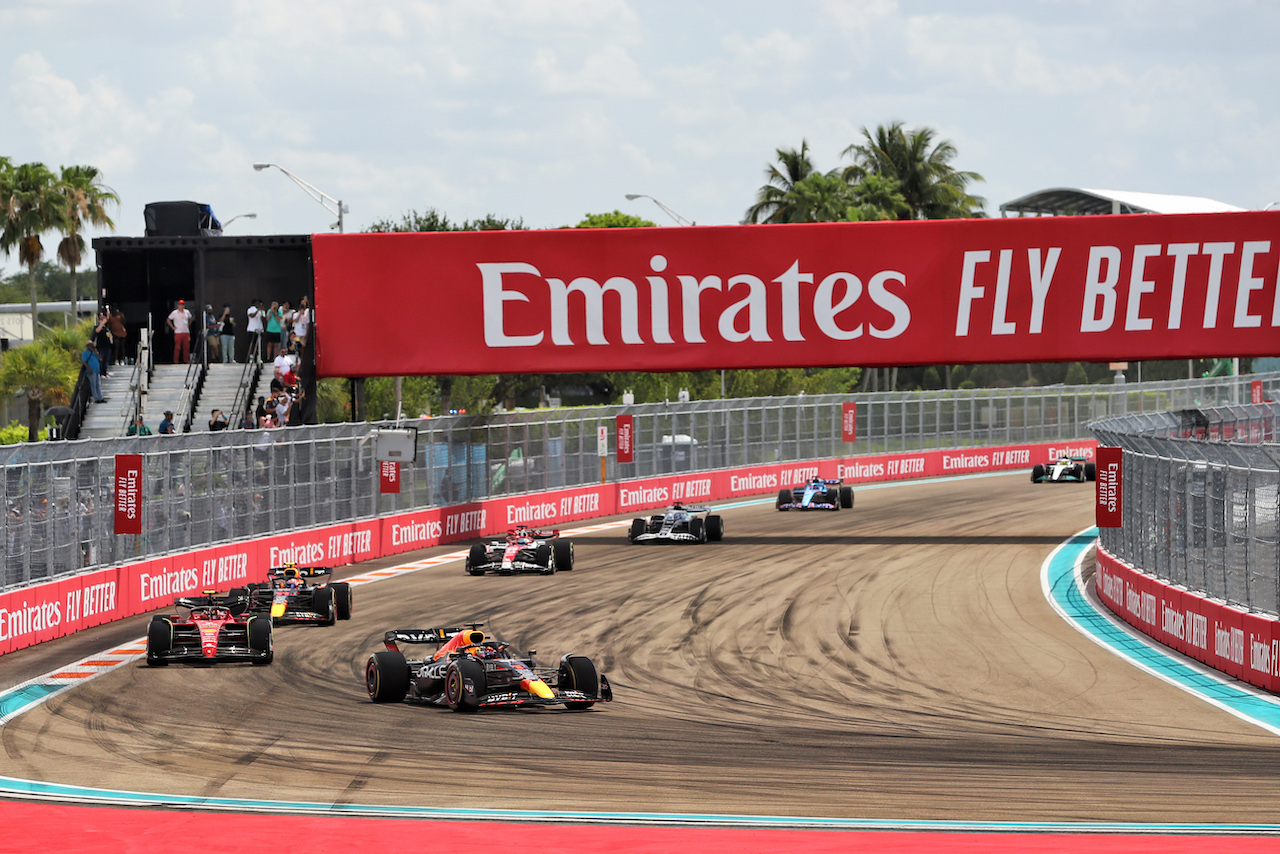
817, 494
679, 524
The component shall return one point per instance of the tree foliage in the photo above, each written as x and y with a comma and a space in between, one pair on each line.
613, 219
44, 372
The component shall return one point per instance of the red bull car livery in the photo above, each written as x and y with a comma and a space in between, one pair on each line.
524, 550
816, 494
469, 671
214, 630
301, 594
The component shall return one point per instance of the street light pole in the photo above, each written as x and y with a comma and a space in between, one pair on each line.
328, 202
239, 216
631, 197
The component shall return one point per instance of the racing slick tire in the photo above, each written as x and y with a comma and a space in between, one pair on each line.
833, 498
542, 557
1037, 473
477, 557
1090, 471
456, 694
715, 528
159, 641
784, 497
342, 599
578, 673
698, 530
655, 524
260, 640
322, 601
386, 677
637, 528
562, 554
846, 497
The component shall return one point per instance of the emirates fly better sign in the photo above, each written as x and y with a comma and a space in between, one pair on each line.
1099, 288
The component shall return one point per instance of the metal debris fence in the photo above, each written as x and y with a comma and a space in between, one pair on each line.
201, 489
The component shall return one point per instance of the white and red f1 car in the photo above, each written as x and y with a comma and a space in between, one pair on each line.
524, 550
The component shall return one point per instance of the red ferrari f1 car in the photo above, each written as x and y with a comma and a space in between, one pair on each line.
215, 629
469, 671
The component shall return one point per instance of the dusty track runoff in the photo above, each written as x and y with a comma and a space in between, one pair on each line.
894, 661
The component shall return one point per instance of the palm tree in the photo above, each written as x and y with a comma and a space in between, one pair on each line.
30, 205
42, 371
86, 201
930, 186
775, 201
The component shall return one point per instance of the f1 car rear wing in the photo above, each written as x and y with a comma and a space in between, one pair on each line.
468, 635
829, 481
299, 571
210, 599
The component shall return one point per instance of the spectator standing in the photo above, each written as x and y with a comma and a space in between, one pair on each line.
138, 428
255, 329
302, 323
248, 422
166, 426
262, 408
217, 421
227, 332
119, 332
102, 341
212, 339
272, 318
287, 316
179, 321
93, 370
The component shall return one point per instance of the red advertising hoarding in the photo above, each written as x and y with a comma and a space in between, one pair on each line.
849, 422
625, 441
128, 488
1110, 483
389, 477
1032, 289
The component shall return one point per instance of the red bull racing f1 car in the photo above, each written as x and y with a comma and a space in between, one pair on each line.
215, 629
679, 524
469, 670
293, 595
524, 550
817, 494
1064, 470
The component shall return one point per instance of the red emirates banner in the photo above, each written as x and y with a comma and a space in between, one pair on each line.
1030, 289
388, 477
849, 422
1110, 469
128, 484
1255, 391
623, 428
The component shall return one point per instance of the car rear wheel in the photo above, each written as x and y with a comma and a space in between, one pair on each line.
386, 677
1090, 471
562, 552
655, 524
456, 693
159, 641
578, 673
476, 559
637, 528
833, 498
542, 557
260, 640
697, 529
1037, 473
784, 497
715, 528
238, 593
846, 497
342, 599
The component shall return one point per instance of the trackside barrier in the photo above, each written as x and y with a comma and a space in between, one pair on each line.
1241, 644
35, 614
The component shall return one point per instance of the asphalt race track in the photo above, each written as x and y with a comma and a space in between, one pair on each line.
894, 661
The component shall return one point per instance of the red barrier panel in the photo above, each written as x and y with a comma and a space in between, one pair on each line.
1262, 645
1173, 623
1227, 627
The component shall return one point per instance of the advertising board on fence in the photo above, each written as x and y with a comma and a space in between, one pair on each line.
1110, 483
128, 494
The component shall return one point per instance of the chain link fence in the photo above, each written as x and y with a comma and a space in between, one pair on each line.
1200, 501
201, 489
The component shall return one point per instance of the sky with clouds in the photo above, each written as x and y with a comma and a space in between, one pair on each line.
546, 110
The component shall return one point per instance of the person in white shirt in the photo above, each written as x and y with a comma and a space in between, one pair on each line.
179, 321
254, 328
302, 323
